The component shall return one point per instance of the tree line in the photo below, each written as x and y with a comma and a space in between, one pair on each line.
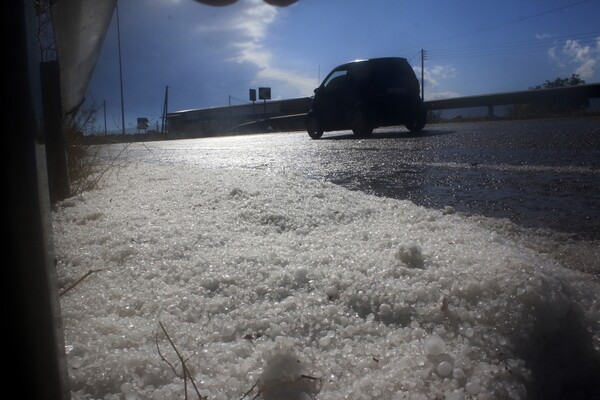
553, 108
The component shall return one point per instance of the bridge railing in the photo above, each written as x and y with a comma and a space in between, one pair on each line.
549, 95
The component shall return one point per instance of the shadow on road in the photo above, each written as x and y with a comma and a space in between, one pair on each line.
391, 134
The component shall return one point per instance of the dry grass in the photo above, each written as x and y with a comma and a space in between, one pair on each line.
87, 164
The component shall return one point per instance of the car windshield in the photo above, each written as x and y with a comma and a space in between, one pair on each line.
335, 78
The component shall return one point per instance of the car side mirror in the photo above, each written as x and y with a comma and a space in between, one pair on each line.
316, 90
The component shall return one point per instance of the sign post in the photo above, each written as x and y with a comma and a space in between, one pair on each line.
253, 99
142, 124
264, 93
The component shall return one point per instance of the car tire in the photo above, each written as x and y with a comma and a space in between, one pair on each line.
360, 124
313, 127
415, 127
420, 123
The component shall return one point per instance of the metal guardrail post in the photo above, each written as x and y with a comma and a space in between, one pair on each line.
56, 153
38, 367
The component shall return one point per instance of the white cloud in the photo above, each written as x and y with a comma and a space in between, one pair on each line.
586, 70
254, 19
303, 84
554, 57
246, 29
247, 22
253, 53
440, 95
581, 59
443, 71
542, 36
433, 79
433, 76
578, 52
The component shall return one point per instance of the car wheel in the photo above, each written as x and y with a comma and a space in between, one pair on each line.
421, 122
415, 127
313, 127
360, 124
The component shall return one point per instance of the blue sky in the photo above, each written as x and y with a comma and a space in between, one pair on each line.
211, 56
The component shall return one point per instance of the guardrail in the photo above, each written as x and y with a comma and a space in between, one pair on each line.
579, 92
296, 121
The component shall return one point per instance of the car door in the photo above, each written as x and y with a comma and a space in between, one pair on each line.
332, 99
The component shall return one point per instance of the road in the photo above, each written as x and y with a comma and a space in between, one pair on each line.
536, 173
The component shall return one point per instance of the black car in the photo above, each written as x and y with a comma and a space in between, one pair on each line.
366, 94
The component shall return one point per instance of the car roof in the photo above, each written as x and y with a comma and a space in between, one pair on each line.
378, 59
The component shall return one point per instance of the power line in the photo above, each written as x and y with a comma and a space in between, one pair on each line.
515, 47
514, 21
240, 100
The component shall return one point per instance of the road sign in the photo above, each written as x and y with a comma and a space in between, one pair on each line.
264, 93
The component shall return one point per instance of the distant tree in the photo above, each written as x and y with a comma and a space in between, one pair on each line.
551, 108
574, 80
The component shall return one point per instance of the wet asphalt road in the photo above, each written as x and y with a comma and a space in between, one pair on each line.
537, 173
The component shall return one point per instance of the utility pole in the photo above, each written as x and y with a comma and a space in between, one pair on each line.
229, 108
165, 110
120, 69
104, 106
422, 74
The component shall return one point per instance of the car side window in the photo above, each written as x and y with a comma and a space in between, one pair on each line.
336, 79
